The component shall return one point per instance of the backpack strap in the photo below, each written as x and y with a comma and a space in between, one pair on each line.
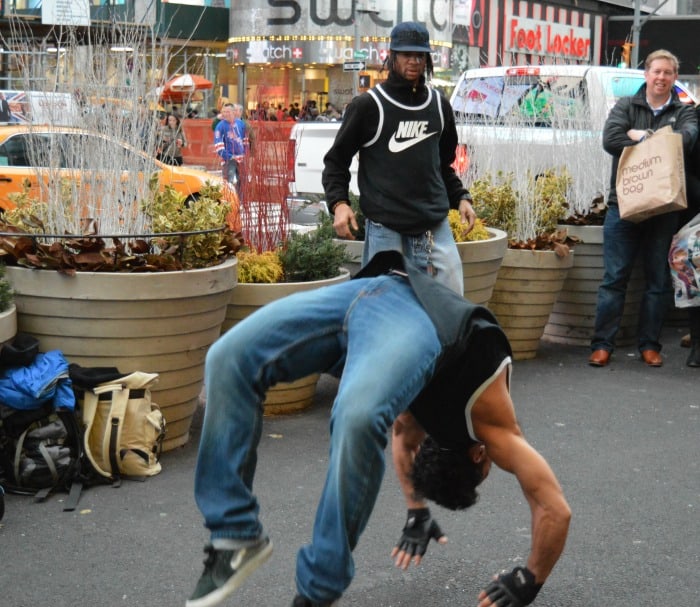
89, 411
70, 420
112, 437
71, 502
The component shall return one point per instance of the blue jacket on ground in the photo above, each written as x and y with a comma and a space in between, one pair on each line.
46, 379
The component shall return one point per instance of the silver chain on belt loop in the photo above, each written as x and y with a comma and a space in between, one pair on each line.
429, 250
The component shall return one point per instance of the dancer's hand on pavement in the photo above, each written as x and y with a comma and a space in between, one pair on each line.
420, 528
514, 589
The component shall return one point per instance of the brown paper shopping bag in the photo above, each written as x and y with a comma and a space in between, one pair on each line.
651, 177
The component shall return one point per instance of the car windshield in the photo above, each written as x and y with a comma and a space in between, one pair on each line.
96, 153
81, 151
523, 100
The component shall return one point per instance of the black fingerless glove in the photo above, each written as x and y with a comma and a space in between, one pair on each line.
515, 589
420, 528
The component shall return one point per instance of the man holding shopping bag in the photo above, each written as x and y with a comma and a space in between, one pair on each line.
654, 106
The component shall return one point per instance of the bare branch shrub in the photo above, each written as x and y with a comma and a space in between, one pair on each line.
112, 74
524, 137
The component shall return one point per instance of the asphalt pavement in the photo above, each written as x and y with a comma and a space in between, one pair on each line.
623, 441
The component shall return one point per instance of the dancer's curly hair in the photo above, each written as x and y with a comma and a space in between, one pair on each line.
445, 476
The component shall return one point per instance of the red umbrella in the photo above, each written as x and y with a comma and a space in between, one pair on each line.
183, 87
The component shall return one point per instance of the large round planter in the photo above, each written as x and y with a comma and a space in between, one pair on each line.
160, 322
245, 299
573, 315
481, 261
527, 286
8, 324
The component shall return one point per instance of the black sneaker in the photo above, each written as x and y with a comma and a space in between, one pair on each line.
301, 601
225, 571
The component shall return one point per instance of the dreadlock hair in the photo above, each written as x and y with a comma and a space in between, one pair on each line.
445, 476
390, 63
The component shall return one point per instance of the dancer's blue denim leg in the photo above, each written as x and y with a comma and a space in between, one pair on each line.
657, 235
441, 253
392, 351
285, 340
621, 243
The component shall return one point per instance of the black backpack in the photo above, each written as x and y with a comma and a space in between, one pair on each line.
40, 450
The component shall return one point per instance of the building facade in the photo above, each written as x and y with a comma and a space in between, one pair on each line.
53, 44
324, 50
283, 51
286, 51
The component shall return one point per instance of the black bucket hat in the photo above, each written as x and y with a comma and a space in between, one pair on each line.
410, 36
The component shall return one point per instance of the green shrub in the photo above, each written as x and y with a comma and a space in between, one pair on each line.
265, 267
312, 255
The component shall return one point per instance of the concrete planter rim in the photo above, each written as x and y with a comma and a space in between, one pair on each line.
119, 285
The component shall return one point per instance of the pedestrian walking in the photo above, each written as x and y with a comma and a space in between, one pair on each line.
229, 141
172, 140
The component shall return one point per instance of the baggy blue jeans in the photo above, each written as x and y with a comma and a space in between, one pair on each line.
622, 242
441, 253
378, 331
230, 171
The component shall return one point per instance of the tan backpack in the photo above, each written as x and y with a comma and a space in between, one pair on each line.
124, 429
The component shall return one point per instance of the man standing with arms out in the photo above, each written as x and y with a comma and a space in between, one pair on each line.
398, 337
654, 106
406, 137
229, 136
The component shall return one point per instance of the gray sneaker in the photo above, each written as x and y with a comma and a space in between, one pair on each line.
225, 571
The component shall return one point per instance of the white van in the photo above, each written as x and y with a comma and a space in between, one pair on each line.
40, 107
527, 119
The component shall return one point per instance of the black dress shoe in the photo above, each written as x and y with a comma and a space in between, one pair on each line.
694, 356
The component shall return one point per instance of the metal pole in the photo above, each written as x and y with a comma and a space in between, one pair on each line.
636, 26
243, 88
356, 48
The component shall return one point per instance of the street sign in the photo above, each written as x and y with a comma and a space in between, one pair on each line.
353, 66
359, 55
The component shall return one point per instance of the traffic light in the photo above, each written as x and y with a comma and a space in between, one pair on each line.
626, 53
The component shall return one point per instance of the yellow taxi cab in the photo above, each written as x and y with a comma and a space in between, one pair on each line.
35, 154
